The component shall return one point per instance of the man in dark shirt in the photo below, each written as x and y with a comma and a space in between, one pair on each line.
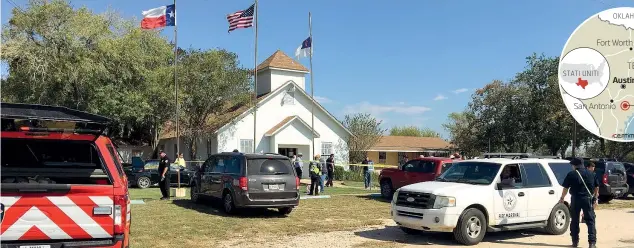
330, 165
583, 187
163, 170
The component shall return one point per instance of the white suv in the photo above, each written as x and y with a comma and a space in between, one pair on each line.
471, 198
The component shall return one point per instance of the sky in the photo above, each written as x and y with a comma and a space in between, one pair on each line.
407, 62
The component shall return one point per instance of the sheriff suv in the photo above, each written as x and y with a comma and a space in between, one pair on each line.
63, 184
474, 197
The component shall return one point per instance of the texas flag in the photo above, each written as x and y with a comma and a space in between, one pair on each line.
159, 17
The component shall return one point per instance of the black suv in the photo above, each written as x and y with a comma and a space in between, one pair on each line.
247, 181
613, 180
629, 170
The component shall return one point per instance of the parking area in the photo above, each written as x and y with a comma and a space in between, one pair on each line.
351, 217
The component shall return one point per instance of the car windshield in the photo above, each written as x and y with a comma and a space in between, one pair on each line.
616, 168
471, 172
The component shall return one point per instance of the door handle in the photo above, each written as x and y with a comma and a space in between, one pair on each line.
520, 194
551, 192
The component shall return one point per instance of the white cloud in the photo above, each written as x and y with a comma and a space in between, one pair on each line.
322, 99
377, 110
440, 97
461, 90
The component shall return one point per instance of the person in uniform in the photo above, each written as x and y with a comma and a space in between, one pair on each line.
314, 169
163, 170
583, 187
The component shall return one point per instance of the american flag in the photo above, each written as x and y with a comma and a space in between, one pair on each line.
241, 19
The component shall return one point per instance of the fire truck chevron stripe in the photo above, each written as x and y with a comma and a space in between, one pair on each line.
80, 217
8, 201
103, 201
44, 224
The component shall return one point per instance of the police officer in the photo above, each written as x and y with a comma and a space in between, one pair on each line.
314, 169
583, 187
163, 170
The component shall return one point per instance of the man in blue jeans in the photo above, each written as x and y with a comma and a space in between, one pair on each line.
367, 172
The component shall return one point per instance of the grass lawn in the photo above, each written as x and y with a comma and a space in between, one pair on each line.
181, 223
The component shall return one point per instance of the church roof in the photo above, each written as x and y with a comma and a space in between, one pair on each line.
280, 60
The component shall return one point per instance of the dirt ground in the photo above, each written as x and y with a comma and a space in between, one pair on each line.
613, 227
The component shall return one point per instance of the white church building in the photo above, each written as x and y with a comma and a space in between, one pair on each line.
283, 120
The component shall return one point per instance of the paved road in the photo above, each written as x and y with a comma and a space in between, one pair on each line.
614, 231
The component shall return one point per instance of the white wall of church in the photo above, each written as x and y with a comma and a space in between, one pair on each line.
272, 112
280, 77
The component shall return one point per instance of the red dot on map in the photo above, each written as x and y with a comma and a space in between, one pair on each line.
625, 105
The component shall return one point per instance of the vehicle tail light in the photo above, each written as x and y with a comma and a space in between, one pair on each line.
102, 181
297, 182
243, 183
605, 179
121, 206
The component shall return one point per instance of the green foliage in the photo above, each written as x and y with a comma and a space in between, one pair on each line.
366, 132
525, 114
414, 131
354, 174
209, 81
104, 64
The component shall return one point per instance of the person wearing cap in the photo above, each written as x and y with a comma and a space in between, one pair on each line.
163, 170
583, 187
314, 169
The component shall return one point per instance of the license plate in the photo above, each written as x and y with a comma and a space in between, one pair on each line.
35, 246
618, 191
274, 186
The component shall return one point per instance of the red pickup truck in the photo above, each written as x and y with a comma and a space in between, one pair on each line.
414, 171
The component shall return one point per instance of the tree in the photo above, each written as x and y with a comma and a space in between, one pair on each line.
366, 132
99, 63
210, 81
414, 131
462, 134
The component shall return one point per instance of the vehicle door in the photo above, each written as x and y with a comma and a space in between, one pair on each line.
629, 171
539, 191
215, 185
401, 179
424, 171
205, 175
616, 175
510, 201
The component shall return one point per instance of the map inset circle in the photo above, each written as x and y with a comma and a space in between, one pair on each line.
596, 74
584, 73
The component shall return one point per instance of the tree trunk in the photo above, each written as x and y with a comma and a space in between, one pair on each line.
602, 146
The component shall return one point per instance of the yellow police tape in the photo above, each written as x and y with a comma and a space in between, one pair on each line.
376, 166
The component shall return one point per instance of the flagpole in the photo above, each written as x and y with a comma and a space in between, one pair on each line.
175, 82
312, 89
255, 79
178, 142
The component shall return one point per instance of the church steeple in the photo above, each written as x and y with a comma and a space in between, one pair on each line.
277, 70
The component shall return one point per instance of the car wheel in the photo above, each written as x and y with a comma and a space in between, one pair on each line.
143, 182
605, 198
559, 220
228, 204
386, 189
285, 211
193, 194
471, 227
409, 230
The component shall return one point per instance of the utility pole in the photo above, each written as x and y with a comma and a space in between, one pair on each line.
574, 140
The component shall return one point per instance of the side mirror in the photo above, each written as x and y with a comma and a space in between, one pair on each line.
500, 186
